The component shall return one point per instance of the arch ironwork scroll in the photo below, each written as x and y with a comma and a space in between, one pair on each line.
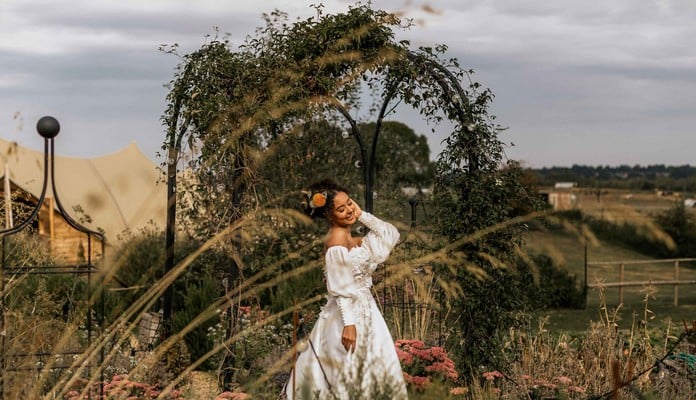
19, 362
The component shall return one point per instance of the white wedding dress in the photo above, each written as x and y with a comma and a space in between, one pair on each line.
324, 369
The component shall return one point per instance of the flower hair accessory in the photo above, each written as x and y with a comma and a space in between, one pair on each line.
315, 200
318, 200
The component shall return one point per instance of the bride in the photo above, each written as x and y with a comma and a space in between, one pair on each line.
350, 353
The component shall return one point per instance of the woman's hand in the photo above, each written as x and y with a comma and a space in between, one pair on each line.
348, 337
356, 209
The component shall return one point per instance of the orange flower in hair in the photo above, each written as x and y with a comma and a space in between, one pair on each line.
318, 200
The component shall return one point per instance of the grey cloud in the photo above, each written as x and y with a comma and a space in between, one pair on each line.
102, 64
575, 82
135, 21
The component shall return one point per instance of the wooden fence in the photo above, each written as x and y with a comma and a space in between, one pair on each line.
676, 281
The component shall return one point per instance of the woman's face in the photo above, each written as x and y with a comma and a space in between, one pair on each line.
343, 212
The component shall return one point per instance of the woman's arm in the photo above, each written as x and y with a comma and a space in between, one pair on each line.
381, 239
340, 284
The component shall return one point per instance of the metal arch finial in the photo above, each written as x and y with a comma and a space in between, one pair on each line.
48, 127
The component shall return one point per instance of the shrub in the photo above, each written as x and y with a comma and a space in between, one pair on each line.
556, 288
140, 259
198, 296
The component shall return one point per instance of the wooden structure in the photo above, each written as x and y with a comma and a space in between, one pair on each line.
675, 282
67, 245
120, 192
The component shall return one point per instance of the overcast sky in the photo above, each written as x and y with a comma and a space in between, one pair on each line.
576, 82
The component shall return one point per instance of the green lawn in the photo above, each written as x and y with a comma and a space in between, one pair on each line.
569, 253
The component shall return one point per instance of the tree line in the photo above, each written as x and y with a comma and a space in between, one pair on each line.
650, 177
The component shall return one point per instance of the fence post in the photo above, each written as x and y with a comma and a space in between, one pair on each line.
676, 283
584, 289
621, 280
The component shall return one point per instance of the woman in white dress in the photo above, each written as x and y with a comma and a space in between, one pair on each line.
350, 353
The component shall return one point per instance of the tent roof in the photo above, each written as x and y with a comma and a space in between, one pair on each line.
121, 191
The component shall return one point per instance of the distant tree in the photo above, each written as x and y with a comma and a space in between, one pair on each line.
403, 157
680, 224
314, 150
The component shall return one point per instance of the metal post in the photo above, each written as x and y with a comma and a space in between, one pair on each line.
414, 203
676, 283
2, 320
621, 280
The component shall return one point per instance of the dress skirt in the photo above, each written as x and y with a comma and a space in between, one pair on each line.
325, 370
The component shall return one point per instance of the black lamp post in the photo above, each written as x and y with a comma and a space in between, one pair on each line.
415, 197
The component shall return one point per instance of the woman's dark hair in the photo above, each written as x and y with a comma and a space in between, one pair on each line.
328, 189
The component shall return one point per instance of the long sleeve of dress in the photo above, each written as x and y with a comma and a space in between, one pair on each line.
381, 239
340, 282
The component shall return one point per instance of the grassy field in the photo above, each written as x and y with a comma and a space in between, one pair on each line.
570, 253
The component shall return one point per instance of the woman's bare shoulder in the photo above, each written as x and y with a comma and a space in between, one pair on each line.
336, 238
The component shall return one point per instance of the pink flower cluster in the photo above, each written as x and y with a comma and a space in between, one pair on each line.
119, 387
459, 391
422, 363
492, 375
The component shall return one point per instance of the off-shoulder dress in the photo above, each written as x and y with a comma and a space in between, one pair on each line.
324, 369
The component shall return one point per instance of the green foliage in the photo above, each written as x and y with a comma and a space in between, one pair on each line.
680, 224
140, 259
285, 251
197, 296
475, 193
314, 149
62, 296
627, 235
228, 106
402, 156
319, 149
256, 352
467, 203
27, 249
556, 287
